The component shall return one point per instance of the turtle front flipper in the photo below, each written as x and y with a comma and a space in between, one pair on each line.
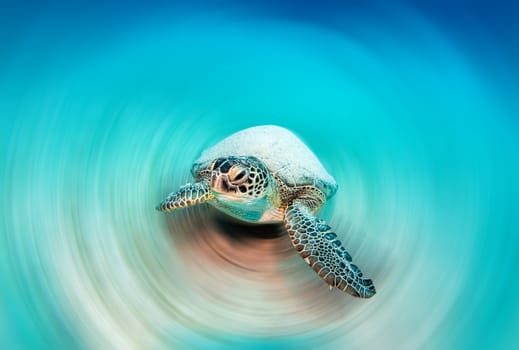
321, 249
187, 195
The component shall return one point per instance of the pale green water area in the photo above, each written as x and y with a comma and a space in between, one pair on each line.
99, 123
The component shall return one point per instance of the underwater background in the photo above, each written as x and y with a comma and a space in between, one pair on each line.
412, 106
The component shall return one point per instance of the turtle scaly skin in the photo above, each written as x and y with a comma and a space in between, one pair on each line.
320, 248
187, 195
318, 245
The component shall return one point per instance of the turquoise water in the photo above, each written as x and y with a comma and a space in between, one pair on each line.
414, 117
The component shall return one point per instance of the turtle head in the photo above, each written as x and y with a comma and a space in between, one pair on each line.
239, 179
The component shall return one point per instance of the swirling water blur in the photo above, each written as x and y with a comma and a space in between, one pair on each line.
414, 111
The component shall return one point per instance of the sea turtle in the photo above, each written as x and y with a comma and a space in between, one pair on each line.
265, 174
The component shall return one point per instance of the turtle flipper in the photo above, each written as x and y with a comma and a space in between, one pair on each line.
187, 195
321, 249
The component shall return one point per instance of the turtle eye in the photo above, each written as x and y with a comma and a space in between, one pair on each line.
238, 175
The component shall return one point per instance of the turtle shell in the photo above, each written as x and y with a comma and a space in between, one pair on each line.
282, 152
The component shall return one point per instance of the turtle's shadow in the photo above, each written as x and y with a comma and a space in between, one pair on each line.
216, 248
237, 230
193, 225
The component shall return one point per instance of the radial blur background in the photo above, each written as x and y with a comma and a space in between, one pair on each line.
412, 107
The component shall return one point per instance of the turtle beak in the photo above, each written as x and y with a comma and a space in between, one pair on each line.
220, 183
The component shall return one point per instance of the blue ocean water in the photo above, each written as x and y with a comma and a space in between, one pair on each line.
411, 107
